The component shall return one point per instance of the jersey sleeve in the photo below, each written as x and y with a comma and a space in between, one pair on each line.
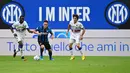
50, 31
14, 25
81, 26
26, 24
70, 23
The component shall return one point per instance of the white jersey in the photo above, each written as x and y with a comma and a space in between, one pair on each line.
76, 27
75, 31
20, 29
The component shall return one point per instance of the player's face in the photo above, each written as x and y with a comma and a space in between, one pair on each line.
21, 20
75, 19
45, 24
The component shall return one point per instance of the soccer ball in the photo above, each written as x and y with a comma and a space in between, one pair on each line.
36, 57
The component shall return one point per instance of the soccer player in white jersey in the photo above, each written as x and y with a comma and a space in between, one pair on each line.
75, 35
19, 33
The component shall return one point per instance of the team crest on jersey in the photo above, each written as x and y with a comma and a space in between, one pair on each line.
11, 12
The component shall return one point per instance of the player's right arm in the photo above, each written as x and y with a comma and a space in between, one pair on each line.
69, 26
12, 29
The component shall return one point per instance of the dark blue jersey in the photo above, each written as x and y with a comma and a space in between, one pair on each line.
44, 36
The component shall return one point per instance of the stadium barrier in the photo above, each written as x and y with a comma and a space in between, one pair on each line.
95, 43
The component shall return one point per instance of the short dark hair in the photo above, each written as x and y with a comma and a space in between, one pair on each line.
21, 16
75, 15
45, 21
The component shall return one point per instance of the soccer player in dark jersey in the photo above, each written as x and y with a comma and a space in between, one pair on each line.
43, 41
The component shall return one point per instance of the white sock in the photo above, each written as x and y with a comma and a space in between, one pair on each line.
22, 52
71, 51
81, 52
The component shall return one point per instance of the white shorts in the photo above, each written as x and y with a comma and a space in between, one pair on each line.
20, 36
74, 38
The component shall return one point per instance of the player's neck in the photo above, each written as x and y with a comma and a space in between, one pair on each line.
75, 22
45, 28
20, 22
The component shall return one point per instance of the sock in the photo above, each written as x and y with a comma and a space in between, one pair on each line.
21, 50
50, 54
22, 57
22, 53
71, 51
41, 52
18, 49
80, 51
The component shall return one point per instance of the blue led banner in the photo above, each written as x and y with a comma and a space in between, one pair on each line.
94, 14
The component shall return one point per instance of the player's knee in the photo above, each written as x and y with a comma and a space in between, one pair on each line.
78, 46
49, 50
20, 43
70, 45
42, 47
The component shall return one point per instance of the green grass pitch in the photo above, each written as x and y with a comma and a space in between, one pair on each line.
62, 64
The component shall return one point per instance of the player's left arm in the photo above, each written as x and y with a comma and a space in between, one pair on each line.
12, 29
52, 35
27, 27
30, 31
83, 32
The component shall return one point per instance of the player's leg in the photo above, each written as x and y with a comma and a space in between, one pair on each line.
79, 48
48, 47
41, 50
21, 41
71, 41
50, 54
17, 49
21, 49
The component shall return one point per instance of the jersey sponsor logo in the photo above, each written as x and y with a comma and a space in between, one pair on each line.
11, 12
117, 13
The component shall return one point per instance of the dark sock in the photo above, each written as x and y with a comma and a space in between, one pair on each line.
14, 50
41, 52
50, 54
22, 57
80, 48
71, 48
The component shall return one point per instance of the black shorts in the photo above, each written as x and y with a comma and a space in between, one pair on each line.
46, 44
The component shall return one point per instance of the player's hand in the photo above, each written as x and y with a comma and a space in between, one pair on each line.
39, 33
40, 43
52, 37
81, 37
